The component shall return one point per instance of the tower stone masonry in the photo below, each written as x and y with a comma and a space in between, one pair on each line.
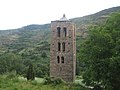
63, 49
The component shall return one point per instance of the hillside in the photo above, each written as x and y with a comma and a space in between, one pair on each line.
82, 23
33, 34
95, 17
32, 42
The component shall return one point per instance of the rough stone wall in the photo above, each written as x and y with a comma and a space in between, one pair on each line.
65, 70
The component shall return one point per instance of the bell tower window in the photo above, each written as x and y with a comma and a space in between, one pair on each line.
63, 46
65, 31
59, 46
62, 59
58, 59
58, 31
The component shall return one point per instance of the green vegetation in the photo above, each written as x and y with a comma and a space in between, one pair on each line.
52, 80
100, 55
19, 48
15, 83
98, 60
31, 73
11, 62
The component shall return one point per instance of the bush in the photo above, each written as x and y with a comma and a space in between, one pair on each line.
52, 80
30, 73
34, 82
11, 75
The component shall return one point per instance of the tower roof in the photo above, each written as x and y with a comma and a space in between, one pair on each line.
63, 18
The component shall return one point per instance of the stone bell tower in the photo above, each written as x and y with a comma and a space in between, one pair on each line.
63, 50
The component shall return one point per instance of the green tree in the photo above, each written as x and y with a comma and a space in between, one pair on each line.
11, 62
43, 55
30, 73
100, 55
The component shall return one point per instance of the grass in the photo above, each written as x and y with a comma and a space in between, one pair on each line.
79, 80
20, 83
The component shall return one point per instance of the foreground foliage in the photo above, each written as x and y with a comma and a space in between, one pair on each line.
30, 73
16, 83
100, 55
52, 80
19, 61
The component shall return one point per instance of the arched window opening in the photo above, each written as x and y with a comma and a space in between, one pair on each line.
62, 59
65, 31
58, 31
58, 59
59, 45
63, 46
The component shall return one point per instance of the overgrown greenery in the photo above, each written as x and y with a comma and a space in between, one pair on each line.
100, 55
31, 73
15, 83
97, 59
19, 61
52, 80
11, 62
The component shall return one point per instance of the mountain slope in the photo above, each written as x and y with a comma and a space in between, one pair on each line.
31, 44
31, 35
91, 18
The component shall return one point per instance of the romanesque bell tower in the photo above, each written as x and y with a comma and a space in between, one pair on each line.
63, 50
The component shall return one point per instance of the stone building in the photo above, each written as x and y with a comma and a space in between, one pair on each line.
63, 49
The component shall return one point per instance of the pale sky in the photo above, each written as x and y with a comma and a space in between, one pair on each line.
18, 13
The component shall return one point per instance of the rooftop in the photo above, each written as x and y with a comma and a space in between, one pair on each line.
63, 18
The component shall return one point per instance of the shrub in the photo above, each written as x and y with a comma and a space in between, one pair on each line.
34, 82
11, 75
52, 80
30, 73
